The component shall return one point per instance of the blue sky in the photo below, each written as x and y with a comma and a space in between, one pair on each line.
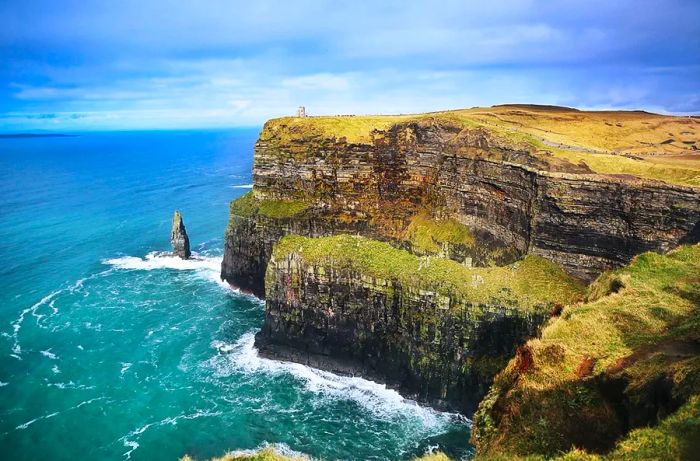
73, 65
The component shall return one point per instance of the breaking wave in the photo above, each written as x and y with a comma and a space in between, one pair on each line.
207, 266
382, 402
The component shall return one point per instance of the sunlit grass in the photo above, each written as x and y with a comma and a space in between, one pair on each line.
633, 143
528, 284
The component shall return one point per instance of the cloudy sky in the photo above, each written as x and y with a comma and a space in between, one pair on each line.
74, 65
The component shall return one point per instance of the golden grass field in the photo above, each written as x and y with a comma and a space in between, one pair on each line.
641, 144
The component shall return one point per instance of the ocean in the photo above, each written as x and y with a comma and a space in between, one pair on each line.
109, 350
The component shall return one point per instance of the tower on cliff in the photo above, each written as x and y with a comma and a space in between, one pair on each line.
301, 111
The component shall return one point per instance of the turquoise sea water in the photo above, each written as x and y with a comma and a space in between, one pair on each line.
109, 351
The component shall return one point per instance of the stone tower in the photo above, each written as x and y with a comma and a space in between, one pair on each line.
301, 111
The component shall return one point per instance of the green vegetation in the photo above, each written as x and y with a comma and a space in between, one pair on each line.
527, 284
676, 438
355, 129
428, 235
640, 327
248, 206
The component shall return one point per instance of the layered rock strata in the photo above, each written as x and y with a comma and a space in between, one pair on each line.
178, 237
431, 327
513, 198
447, 186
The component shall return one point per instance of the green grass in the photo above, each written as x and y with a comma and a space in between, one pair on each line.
528, 284
427, 235
676, 438
355, 129
248, 206
637, 326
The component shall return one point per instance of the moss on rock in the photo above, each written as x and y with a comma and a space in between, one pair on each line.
527, 284
429, 235
248, 206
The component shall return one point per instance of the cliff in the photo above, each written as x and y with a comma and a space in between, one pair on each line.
627, 360
520, 180
466, 218
483, 190
432, 327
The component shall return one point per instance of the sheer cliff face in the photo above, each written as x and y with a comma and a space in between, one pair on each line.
513, 199
451, 189
438, 348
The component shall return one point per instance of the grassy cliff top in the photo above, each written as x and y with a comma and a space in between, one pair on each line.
531, 283
637, 143
641, 327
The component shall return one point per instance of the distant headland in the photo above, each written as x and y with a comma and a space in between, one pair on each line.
36, 135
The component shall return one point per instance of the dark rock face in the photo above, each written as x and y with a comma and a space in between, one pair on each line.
249, 243
435, 348
178, 237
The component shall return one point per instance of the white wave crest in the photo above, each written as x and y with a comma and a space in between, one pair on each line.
381, 401
49, 354
207, 266
158, 260
242, 186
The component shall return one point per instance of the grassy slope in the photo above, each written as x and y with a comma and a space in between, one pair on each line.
641, 325
636, 143
527, 284
428, 235
249, 206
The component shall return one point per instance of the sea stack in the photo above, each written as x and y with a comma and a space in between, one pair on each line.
178, 237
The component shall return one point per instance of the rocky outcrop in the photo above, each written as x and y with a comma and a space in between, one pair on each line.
179, 238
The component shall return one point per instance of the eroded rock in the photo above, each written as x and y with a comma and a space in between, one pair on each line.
178, 237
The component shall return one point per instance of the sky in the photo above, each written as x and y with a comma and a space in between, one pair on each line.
151, 64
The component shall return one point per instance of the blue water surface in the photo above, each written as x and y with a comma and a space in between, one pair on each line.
109, 350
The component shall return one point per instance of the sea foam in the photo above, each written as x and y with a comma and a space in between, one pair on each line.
208, 267
242, 356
